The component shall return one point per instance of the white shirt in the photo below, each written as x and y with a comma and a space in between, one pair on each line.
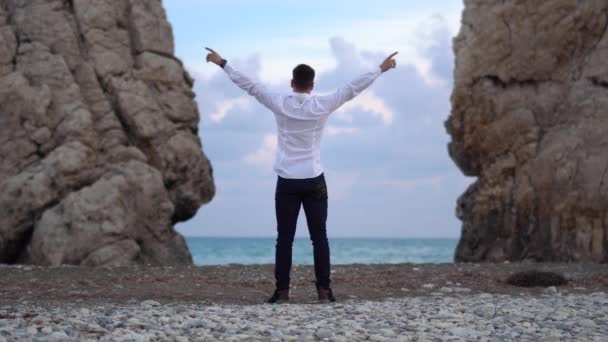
300, 120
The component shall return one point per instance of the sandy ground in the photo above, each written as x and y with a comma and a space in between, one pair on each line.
252, 284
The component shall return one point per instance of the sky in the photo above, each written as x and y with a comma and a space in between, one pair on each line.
385, 153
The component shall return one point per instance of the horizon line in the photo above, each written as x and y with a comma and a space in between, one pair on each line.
330, 237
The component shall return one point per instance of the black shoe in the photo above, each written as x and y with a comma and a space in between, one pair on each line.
279, 296
325, 295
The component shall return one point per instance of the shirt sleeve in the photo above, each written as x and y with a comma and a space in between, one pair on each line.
253, 88
332, 101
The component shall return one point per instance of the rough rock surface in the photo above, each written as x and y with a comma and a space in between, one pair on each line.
529, 119
99, 153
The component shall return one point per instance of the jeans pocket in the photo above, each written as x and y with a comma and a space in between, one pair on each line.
321, 190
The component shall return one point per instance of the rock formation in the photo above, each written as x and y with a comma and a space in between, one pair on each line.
99, 152
530, 120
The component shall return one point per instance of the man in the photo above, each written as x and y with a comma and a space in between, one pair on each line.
300, 118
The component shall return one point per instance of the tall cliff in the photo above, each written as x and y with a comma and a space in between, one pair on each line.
530, 120
99, 153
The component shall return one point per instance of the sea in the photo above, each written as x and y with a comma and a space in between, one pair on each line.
260, 250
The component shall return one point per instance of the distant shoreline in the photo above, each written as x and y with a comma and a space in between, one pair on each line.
261, 250
330, 237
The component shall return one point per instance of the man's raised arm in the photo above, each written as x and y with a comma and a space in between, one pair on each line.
255, 89
347, 92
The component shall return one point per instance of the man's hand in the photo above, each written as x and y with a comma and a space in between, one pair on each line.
214, 57
389, 63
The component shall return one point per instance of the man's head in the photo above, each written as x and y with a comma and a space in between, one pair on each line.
303, 79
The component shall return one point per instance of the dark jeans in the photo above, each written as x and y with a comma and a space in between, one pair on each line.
311, 193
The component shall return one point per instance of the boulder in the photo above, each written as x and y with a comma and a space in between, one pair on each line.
99, 153
529, 120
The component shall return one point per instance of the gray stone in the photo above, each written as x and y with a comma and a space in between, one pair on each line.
530, 91
150, 302
459, 331
377, 338
58, 336
100, 156
587, 323
550, 290
323, 333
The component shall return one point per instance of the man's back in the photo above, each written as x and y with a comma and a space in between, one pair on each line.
299, 136
301, 118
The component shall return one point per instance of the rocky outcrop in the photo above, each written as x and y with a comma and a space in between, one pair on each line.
99, 152
529, 119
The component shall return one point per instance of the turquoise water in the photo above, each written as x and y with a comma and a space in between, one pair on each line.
221, 251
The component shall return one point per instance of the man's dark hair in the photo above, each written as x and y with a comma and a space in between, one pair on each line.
303, 76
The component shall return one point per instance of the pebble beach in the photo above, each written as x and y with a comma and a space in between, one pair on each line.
404, 302
552, 316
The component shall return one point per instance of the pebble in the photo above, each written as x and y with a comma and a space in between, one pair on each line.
150, 302
466, 316
58, 336
550, 290
459, 331
323, 333
587, 323
387, 332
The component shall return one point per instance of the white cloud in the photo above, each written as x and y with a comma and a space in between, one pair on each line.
403, 32
264, 156
225, 106
334, 130
385, 168
216, 95
343, 116
369, 102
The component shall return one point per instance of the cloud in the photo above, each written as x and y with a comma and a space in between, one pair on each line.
385, 158
369, 102
346, 54
383, 121
264, 156
334, 130
218, 97
225, 106
438, 37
